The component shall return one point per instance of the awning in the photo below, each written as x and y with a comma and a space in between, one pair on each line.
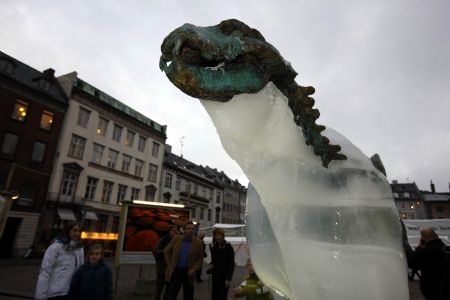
66, 214
90, 215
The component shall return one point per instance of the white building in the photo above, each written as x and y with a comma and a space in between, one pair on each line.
107, 152
212, 196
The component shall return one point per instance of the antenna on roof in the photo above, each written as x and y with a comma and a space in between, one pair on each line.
181, 140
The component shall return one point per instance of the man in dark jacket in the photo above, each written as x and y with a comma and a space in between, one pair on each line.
160, 260
429, 259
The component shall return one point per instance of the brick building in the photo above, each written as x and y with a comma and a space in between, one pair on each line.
33, 107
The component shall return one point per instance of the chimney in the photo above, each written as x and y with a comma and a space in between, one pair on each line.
394, 182
168, 148
433, 190
49, 72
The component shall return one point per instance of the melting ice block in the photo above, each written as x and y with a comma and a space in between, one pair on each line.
314, 233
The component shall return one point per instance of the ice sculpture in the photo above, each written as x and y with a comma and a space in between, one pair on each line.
321, 220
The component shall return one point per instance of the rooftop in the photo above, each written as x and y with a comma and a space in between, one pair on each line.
105, 98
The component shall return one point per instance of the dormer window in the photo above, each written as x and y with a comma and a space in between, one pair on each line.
7, 67
43, 84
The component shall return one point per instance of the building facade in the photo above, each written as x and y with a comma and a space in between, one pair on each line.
409, 200
107, 153
437, 205
33, 108
201, 188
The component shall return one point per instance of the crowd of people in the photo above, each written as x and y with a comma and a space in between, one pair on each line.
179, 257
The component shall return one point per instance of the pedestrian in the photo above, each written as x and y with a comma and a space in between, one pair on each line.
428, 258
252, 288
199, 273
221, 267
93, 281
62, 258
161, 261
184, 256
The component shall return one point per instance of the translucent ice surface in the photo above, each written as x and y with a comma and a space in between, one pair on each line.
314, 233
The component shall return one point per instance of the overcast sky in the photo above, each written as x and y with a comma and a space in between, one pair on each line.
381, 69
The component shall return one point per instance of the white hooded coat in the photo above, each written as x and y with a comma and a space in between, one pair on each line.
58, 266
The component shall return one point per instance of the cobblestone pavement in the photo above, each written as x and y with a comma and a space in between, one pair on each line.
18, 280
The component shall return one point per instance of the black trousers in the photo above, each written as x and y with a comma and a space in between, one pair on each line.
219, 290
160, 280
179, 278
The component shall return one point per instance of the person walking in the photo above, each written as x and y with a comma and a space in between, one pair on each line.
428, 258
62, 258
184, 256
221, 267
93, 281
161, 264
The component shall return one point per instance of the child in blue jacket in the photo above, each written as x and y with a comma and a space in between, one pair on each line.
93, 280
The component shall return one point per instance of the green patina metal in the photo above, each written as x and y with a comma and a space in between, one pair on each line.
218, 62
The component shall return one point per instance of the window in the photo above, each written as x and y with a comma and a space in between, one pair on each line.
46, 120
217, 197
121, 192
135, 193
126, 162
141, 145
27, 195
202, 216
209, 214
117, 133
112, 158
76, 147
155, 149
102, 126
406, 195
10, 142
83, 117
129, 140
38, 151
188, 188
395, 195
168, 181
150, 193
68, 183
91, 186
152, 171
439, 208
7, 67
20, 111
97, 153
195, 189
43, 84
107, 190
138, 165
178, 184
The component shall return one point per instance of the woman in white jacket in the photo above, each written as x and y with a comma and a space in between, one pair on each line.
62, 258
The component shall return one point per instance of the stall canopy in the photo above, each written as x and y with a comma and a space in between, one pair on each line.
66, 214
90, 215
440, 226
